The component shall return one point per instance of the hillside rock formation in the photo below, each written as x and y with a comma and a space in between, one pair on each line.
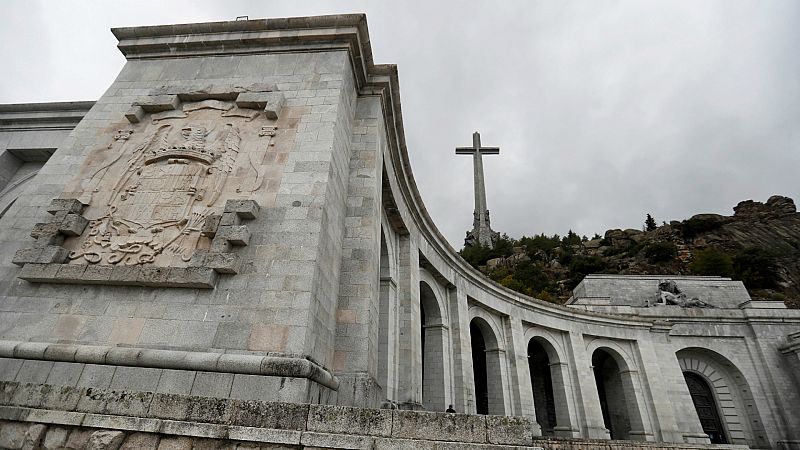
759, 244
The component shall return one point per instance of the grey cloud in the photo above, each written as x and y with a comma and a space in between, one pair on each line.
604, 110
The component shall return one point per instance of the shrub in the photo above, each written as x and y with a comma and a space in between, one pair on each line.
660, 252
693, 227
756, 268
711, 261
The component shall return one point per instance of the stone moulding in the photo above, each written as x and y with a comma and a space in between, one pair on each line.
270, 365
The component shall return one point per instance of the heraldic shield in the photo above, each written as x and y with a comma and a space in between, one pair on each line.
160, 180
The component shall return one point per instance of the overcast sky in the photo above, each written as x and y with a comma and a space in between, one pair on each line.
603, 110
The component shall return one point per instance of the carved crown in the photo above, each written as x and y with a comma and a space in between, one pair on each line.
187, 152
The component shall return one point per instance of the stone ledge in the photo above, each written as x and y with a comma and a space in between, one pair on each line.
179, 277
270, 365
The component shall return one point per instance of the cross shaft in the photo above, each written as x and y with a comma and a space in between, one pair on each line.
481, 227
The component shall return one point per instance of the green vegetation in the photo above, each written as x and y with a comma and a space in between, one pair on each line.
650, 223
756, 268
660, 252
549, 267
711, 261
693, 227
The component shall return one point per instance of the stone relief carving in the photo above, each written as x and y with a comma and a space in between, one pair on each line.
670, 294
171, 190
160, 202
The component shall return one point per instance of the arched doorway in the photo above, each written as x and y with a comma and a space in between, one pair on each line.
480, 375
706, 406
613, 404
728, 391
432, 340
487, 365
542, 385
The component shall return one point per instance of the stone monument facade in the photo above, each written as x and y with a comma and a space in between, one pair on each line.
228, 249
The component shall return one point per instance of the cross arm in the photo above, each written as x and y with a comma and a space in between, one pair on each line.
483, 150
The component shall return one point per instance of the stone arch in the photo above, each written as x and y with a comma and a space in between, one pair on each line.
388, 317
434, 336
550, 372
619, 392
488, 362
733, 398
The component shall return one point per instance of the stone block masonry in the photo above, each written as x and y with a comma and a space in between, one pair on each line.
51, 417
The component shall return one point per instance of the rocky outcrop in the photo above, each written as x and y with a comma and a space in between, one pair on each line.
773, 226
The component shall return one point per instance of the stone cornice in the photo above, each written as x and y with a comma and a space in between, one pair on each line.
299, 34
56, 115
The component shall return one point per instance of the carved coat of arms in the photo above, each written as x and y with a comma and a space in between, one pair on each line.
159, 182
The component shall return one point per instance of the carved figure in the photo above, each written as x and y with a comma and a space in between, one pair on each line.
669, 294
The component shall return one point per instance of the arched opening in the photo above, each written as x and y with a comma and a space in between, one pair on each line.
487, 364
542, 385
720, 391
706, 407
610, 388
432, 341
479, 369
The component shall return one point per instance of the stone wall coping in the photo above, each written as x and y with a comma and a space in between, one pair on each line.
153, 412
262, 423
269, 365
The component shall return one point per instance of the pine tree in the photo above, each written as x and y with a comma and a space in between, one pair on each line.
650, 223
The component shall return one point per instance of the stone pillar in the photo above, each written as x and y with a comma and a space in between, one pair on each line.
671, 403
434, 386
409, 379
522, 391
388, 341
641, 428
356, 345
463, 383
566, 418
497, 374
588, 399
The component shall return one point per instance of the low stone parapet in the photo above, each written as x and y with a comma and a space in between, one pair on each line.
41, 416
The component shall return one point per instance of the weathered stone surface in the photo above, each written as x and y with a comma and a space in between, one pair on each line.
141, 441
170, 406
509, 430
245, 209
210, 225
79, 438
68, 205
210, 410
73, 225
438, 426
55, 438
27, 255
135, 114
347, 420
105, 440
53, 254
229, 263
233, 234
283, 416
175, 443
12, 434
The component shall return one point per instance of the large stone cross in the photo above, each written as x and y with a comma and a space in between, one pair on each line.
481, 230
